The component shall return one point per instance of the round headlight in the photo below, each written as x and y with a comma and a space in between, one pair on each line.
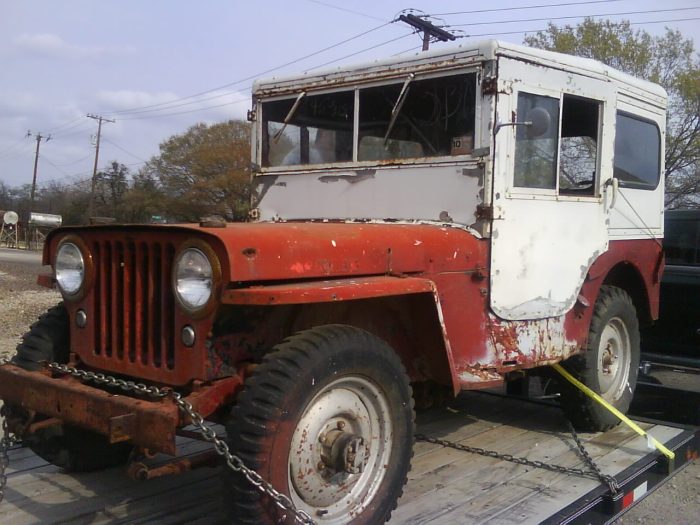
70, 268
194, 278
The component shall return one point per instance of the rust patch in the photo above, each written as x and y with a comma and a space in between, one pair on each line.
359, 176
505, 341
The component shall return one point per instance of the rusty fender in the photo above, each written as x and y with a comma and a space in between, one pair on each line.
328, 291
149, 424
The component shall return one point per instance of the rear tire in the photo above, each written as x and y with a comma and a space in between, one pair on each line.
327, 419
66, 446
609, 366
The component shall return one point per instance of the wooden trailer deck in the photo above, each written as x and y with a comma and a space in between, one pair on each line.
445, 485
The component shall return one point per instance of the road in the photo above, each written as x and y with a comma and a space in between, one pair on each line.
12, 255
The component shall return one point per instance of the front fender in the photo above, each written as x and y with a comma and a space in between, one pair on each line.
328, 290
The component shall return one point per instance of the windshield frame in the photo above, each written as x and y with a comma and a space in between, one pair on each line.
356, 89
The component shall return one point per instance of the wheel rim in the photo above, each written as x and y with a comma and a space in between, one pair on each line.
340, 450
614, 357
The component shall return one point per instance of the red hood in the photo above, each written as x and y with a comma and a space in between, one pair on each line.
292, 251
284, 251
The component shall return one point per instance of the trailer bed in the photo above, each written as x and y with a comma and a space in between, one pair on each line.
445, 485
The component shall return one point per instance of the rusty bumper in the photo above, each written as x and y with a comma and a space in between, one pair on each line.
149, 424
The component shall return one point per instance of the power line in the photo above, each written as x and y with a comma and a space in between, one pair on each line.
325, 4
495, 10
172, 104
545, 29
77, 119
124, 150
362, 51
175, 106
14, 149
64, 132
72, 162
183, 112
576, 16
73, 133
57, 166
248, 87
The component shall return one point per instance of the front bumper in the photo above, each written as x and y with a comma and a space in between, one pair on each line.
150, 424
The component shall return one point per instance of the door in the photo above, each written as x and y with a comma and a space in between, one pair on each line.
553, 155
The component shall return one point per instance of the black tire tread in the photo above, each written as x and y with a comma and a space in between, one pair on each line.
66, 446
295, 353
581, 410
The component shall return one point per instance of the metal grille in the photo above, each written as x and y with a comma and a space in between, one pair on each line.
134, 305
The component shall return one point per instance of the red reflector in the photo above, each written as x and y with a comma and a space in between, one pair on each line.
628, 499
634, 495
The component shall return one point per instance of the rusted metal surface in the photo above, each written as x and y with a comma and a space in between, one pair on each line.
327, 291
316, 250
148, 423
88, 407
143, 472
133, 324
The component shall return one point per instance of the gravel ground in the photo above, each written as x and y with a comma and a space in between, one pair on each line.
22, 301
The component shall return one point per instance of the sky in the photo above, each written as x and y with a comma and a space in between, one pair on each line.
157, 67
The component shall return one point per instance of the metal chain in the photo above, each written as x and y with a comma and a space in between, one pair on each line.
594, 473
610, 481
234, 462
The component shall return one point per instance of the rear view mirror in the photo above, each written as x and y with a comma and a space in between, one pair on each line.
538, 122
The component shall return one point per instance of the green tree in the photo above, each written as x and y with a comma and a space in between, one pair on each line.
144, 199
669, 60
205, 171
111, 185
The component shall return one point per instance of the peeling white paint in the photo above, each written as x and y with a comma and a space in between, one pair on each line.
394, 193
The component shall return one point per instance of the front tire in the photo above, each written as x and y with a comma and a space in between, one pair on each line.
66, 446
327, 419
609, 366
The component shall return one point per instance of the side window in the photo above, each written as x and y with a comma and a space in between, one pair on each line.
637, 152
578, 158
536, 146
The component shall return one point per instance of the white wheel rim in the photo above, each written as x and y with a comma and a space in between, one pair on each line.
614, 358
358, 407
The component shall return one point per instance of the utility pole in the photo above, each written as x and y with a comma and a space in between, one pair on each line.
99, 120
38, 137
429, 30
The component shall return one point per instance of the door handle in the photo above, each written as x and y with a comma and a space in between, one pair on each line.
614, 184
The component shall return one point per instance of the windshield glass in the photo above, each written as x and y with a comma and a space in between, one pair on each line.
319, 131
435, 117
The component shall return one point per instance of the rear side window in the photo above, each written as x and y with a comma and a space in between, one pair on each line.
637, 152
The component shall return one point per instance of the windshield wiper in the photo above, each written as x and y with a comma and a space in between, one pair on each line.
289, 116
397, 106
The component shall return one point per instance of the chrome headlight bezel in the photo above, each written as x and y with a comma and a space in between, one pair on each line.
210, 278
72, 257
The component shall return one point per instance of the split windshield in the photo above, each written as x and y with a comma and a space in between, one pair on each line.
407, 119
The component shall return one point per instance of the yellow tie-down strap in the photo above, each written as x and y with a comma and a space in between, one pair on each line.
590, 393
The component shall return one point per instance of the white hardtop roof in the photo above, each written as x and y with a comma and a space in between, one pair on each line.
447, 58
